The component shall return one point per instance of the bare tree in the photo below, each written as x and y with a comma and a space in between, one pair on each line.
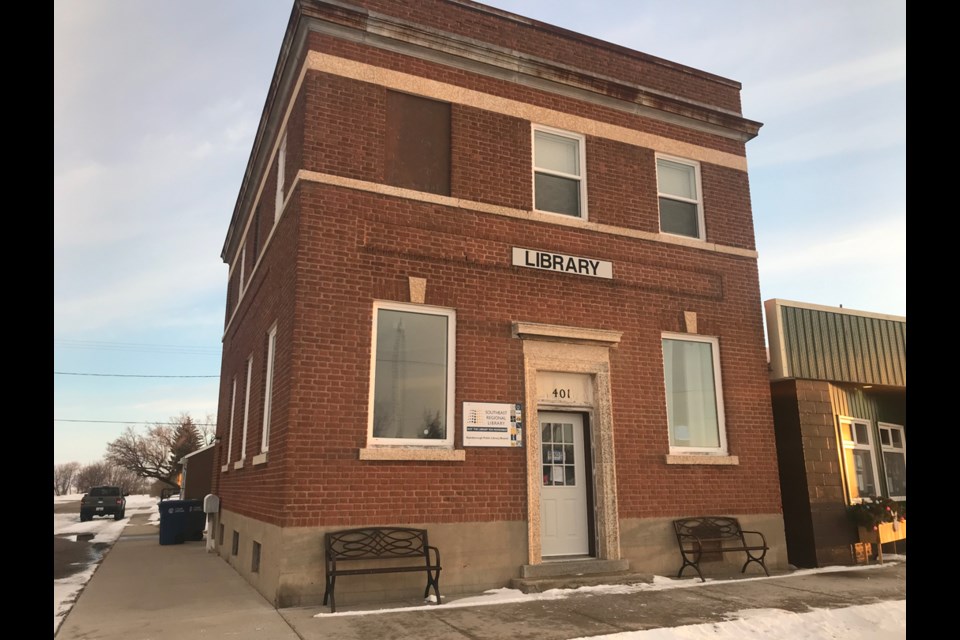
126, 479
156, 454
64, 476
93, 475
208, 429
106, 473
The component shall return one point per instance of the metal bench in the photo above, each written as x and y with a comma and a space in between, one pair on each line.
716, 534
380, 543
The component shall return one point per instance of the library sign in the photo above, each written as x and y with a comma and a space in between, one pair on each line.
489, 424
535, 259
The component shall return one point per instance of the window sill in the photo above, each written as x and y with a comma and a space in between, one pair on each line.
701, 459
260, 459
225, 468
402, 453
238, 464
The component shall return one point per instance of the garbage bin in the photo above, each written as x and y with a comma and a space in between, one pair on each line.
196, 520
181, 520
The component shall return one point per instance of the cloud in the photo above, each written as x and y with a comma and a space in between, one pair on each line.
792, 142
879, 244
862, 266
152, 293
788, 93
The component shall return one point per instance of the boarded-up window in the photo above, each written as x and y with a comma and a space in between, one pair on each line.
418, 143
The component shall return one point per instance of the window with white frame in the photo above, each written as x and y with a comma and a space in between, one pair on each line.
691, 373
233, 408
281, 171
558, 177
893, 446
243, 268
859, 461
412, 371
268, 389
246, 413
678, 190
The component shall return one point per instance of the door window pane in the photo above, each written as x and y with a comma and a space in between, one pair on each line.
559, 457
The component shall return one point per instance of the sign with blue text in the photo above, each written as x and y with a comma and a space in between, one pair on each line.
548, 261
491, 424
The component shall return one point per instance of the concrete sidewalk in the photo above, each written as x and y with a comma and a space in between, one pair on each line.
145, 591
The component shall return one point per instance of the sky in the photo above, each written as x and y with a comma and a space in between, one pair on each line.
156, 106
879, 621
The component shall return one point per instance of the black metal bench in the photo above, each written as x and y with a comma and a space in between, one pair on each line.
380, 543
716, 534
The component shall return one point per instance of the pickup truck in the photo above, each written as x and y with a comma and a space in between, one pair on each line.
103, 501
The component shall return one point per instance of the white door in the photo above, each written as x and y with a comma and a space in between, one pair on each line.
563, 496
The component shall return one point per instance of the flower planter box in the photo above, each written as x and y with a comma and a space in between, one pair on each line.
884, 533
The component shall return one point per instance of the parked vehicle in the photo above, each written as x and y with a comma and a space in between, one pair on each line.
104, 501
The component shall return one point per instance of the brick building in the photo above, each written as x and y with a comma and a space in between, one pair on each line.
839, 394
495, 279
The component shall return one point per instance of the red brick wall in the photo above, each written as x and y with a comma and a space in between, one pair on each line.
622, 185
336, 250
553, 43
491, 158
258, 491
344, 135
502, 88
356, 247
491, 161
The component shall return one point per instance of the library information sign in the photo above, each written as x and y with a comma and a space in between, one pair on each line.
490, 424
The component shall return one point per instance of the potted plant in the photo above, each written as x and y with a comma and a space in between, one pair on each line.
879, 520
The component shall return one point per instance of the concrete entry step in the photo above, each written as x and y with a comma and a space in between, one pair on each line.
539, 585
575, 572
573, 567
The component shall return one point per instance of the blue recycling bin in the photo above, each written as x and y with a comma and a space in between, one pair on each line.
181, 520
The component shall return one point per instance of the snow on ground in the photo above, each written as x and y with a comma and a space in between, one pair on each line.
103, 530
880, 621
660, 583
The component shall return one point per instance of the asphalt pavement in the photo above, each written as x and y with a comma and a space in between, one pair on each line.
146, 591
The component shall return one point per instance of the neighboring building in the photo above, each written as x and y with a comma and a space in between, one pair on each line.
196, 477
839, 390
495, 279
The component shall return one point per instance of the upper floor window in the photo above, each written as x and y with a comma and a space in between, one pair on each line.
558, 182
893, 444
417, 145
691, 373
859, 462
412, 389
243, 268
281, 176
678, 189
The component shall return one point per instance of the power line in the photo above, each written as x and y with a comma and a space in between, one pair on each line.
198, 424
102, 345
123, 375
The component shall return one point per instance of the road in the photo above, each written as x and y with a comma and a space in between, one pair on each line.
77, 545
72, 553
